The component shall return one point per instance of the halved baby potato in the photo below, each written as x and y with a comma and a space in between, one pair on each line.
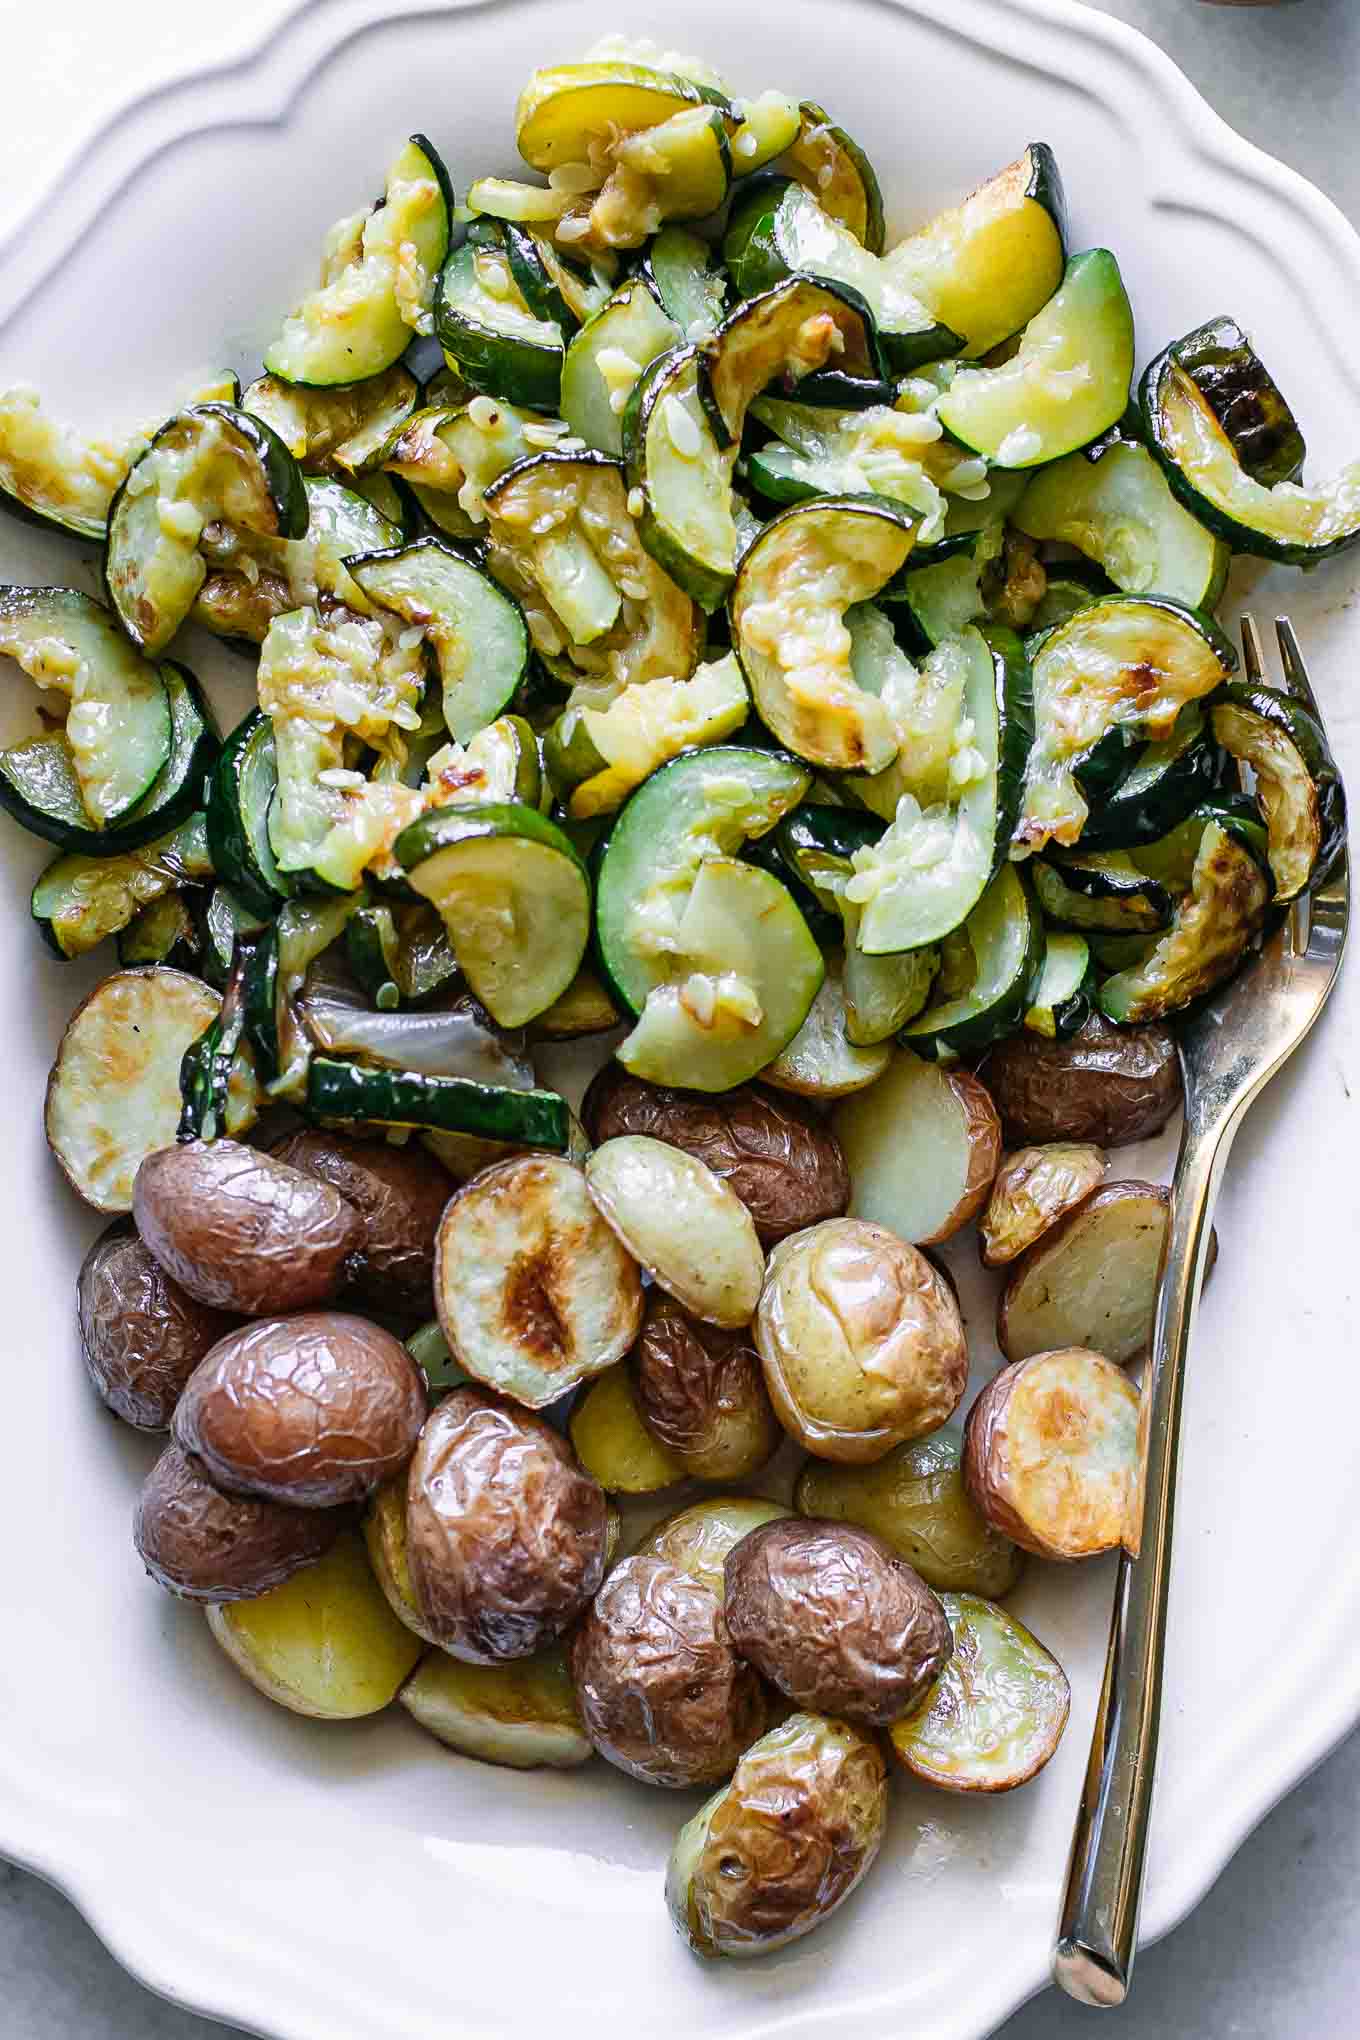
1091, 1279
533, 1290
1034, 1189
997, 1712
699, 1538
923, 1145
691, 1233
614, 1445
385, 1538
325, 1643
522, 1714
1050, 1453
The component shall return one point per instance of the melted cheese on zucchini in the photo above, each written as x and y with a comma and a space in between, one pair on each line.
54, 470
653, 721
1298, 516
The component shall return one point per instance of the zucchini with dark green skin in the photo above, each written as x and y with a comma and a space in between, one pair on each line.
1064, 994
1171, 859
487, 331
167, 930
1101, 889
476, 631
221, 918
1005, 932
1298, 786
679, 268
79, 900
362, 1096
1121, 512
209, 1063
240, 793
625, 336
335, 431
1165, 783
1214, 926
1244, 397
251, 582
830, 164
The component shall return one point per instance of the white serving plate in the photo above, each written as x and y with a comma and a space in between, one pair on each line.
311, 1881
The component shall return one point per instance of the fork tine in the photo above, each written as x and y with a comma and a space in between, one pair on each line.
1252, 662
1295, 672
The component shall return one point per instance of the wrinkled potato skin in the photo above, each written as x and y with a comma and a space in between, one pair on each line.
1105, 1084
505, 1534
242, 1231
801, 1822
142, 1335
701, 1393
1034, 1188
984, 1152
316, 1409
206, 1546
784, 1162
861, 1340
662, 1692
915, 1500
698, 1538
835, 1619
399, 1194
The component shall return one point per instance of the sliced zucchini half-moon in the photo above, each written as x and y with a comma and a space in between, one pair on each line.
169, 930
523, 1714
679, 269
1066, 384
210, 464
822, 1061
1062, 997
1120, 511
1118, 672
1245, 399
118, 729
359, 1095
240, 794
1201, 443
650, 723
478, 635
793, 587
781, 230
1005, 941
565, 108
343, 430
1214, 925
995, 1715
487, 331
872, 449
830, 164
378, 282
449, 453
78, 900
513, 895
1298, 787
605, 360
253, 581
1102, 890
53, 476
113, 1096
989, 266
1164, 785
706, 804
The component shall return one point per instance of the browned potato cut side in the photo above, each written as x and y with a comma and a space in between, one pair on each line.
1106, 1084
523, 1714
1050, 1453
923, 1145
1090, 1280
1034, 1188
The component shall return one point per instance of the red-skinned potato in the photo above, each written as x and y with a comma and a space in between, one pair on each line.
662, 1692
505, 1534
399, 1194
315, 1410
242, 1231
141, 1334
1092, 1279
207, 1546
700, 1392
834, 1619
1034, 1188
1106, 1084
1050, 1453
923, 1145
774, 1151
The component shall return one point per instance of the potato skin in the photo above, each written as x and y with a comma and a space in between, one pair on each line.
1034, 1188
701, 1393
505, 1534
1106, 1084
783, 1161
399, 1194
243, 1231
141, 1334
204, 1545
662, 1692
832, 1617
984, 1152
315, 1410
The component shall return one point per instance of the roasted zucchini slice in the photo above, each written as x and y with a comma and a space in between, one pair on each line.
1103, 890
1166, 783
343, 430
476, 632
606, 359
360, 1095
651, 722
876, 450
1214, 925
53, 476
1067, 382
168, 930
679, 267
565, 108
1120, 511
1001, 948
240, 794
1298, 787
252, 580
448, 453
830, 164
487, 331
1062, 996
78, 900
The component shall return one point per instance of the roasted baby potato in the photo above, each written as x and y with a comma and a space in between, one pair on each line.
399, 1194
1091, 1280
505, 1535
315, 1410
522, 1714
614, 1445
687, 1228
325, 1643
1106, 1084
1034, 1188
861, 1340
385, 1538
197, 1542
142, 1335
699, 1538
662, 1692
923, 1145
243, 1231
701, 1393
1050, 1453
533, 1290
781, 1159
779, 1849
834, 1619
997, 1712
914, 1499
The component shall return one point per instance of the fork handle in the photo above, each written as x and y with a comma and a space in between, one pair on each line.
1098, 1928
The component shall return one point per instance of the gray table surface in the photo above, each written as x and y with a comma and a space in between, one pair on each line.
1273, 1953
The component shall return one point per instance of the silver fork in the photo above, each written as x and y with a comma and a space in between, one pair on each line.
1229, 1053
